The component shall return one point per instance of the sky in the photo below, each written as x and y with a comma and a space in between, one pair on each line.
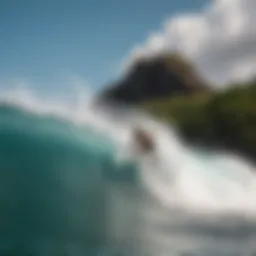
53, 44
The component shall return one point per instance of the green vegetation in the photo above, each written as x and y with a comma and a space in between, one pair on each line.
227, 117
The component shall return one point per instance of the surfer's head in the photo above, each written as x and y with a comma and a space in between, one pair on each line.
144, 139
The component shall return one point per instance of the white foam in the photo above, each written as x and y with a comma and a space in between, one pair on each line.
218, 182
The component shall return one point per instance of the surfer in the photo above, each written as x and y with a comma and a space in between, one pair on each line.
144, 140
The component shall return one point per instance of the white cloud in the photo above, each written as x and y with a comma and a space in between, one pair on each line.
221, 40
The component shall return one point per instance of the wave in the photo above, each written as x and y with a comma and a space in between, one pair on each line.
60, 163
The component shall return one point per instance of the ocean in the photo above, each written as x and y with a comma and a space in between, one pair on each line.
72, 184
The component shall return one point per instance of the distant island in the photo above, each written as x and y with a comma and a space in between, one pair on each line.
169, 86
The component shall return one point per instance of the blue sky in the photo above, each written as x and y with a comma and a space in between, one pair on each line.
48, 43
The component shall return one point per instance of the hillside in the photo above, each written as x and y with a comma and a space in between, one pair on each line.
170, 87
159, 77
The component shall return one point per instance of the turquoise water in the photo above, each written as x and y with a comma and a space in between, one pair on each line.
52, 176
63, 192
